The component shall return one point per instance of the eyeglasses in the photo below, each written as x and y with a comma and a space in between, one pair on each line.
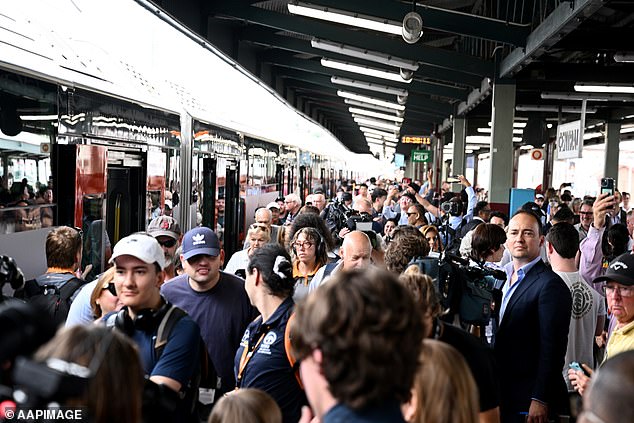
167, 243
110, 287
299, 245
258, 226
624, 291
288, 202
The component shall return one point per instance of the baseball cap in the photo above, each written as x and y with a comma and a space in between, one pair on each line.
539, 196
168, 204
164, 226
621, 270
273, 205
200, 240
142, 246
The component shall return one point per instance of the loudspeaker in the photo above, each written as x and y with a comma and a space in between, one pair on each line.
412, 27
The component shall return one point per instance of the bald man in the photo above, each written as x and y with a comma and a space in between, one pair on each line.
355, 253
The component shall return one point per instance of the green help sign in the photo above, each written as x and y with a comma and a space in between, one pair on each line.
423, 156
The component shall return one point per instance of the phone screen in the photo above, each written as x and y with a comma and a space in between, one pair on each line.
607, 191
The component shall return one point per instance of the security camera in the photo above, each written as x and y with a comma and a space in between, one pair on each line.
401, 99
412, 27
406, 74
400, 113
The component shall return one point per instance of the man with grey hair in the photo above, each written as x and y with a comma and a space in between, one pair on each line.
293, 203
355, 253
264, 217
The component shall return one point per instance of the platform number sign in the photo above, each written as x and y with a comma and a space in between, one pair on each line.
422, 156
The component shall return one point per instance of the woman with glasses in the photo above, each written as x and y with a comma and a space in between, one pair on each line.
309, 255
258, 235
264, 359
103, 299
430, 232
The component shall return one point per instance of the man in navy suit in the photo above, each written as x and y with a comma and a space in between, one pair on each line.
532, 335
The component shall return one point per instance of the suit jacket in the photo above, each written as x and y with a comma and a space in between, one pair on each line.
530, 344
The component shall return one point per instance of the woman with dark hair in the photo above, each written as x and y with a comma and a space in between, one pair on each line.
487, 244
309, 255
263, 359
432, 235
312, 220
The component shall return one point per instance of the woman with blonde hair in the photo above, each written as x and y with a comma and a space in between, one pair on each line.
444, 390
246, 405
103, 299
258, 235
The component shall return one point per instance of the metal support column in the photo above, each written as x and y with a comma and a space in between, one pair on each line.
459, 146
612, 140
187, 144
502, 117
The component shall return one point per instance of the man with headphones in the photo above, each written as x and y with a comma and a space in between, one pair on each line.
139, 262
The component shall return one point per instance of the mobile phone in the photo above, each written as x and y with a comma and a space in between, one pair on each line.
453, 179
575, 366
607, 186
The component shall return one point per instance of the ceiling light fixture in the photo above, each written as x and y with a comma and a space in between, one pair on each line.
604, 88
356, 103
515, 124
344, 17
376, 124
517, 131
624, 57
365, 129
371, 100
363, 70
548, 108
361, 53
412, 28
586, 96
386, 89
355, 110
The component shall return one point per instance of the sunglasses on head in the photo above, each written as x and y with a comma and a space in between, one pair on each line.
167, 243
110, 287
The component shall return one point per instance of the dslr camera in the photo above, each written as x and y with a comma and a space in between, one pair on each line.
453, 208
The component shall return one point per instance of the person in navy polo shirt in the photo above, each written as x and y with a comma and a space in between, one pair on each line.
215, 300
263, 360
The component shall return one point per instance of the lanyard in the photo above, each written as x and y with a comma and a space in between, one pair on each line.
247, 353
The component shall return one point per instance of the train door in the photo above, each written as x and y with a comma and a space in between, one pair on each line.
279, 178
126, 197
233, 208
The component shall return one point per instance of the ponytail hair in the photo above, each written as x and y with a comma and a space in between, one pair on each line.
274, 264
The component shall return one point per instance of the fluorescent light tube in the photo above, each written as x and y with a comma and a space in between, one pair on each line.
371, 100
356, 110
488, 131
344, 17
376, 124
604, 88
378, 132
368, 86
361, 53
363, 70
356, 103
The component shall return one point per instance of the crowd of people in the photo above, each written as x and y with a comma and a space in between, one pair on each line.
391, 302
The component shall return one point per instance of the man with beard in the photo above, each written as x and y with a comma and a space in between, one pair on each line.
168, 233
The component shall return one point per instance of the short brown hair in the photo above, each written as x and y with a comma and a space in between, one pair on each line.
422, 289
485, 240
62, 246
370, 346
407, 243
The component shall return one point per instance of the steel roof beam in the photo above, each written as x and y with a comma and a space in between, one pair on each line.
421, 53
437, 19
562, 21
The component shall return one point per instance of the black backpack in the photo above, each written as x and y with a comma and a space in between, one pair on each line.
53, 299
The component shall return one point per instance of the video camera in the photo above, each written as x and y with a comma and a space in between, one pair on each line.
11, 273
362, 222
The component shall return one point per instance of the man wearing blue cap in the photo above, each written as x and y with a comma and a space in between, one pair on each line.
216, 300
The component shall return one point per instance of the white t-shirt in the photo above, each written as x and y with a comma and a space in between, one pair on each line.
239, 260
587, 306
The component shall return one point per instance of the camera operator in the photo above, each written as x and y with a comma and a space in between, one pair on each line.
337, 212
361, 220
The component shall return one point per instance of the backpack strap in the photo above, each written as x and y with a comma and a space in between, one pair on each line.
327, 271
171, 318
289, 354
68, 289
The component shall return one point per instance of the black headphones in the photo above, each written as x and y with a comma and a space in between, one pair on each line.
320, 248
146, 320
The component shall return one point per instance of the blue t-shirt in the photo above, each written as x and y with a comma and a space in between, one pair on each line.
223, 313
268, 368
389, 412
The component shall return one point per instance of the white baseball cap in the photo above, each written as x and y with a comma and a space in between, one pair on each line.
273, 205
142, 246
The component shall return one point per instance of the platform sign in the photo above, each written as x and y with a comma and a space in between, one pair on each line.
422, 156
569, 140
416, 139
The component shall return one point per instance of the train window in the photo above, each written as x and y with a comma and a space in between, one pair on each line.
97, 247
